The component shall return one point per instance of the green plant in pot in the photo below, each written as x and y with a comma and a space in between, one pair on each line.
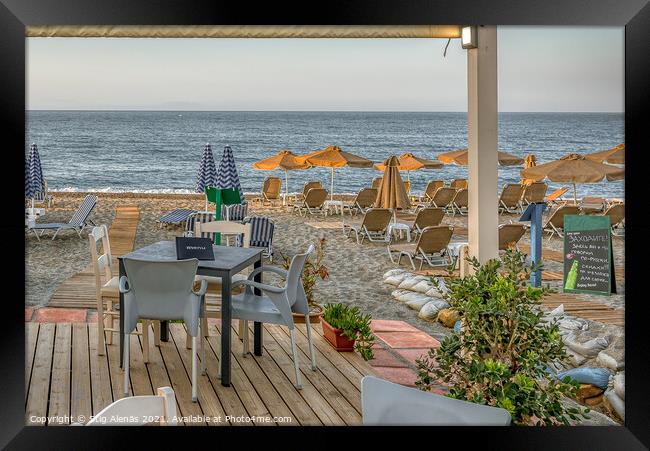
313, 271
503, 354
347, 329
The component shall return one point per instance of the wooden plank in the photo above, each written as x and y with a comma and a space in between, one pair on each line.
39, 389
180, 382
208, 399
59, 408
326, 414
267, 391
335, 368
352, 358
240, 384
31, 338
342, 406
100, 379
80, 403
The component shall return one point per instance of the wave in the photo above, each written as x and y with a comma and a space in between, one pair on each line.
72, 189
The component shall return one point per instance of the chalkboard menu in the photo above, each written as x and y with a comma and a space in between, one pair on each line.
588, 255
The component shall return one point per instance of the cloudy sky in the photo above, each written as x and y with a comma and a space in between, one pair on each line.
540, 69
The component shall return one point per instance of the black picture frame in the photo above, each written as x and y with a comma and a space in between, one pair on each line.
633, 14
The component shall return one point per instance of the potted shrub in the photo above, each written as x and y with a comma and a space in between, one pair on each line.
313, 271
503, 354
347, 329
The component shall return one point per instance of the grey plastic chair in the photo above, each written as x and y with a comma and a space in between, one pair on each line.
162, 290
276, 305
389, 404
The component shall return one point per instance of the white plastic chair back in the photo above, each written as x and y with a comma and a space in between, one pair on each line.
139, 410
387, 403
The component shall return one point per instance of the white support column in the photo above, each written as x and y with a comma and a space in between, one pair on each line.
482, 125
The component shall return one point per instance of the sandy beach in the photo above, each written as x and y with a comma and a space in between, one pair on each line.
355, 270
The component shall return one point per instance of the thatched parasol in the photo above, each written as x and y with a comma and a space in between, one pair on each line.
285, 160
460, 157
615, 155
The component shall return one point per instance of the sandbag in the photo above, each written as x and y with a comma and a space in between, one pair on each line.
398, 294
396, 279
417, 304
586, 375
429, 311
573, 324
393, 272
589, 348
619, 385
410, 296
605, 359
615, 403
575, 358
440, 290
423, 286
409, 282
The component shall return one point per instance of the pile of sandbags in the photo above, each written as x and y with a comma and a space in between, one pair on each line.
418, 292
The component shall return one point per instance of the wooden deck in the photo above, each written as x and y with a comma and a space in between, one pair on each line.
79, 290
67, 380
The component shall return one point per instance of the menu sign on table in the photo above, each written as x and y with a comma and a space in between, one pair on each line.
588, 255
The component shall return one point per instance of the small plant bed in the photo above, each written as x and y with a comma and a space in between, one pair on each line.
503, 353
347, 329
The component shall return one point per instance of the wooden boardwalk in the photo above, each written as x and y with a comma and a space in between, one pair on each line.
79, 290
66, 379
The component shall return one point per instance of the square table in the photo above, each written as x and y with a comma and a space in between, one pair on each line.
228, 261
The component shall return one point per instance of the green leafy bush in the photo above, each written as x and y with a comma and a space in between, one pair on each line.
500, 357
354, 324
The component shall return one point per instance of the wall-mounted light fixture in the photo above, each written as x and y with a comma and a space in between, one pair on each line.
468, 37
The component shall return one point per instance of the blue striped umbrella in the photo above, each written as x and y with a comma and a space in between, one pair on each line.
227, 177
34, 182
207, 176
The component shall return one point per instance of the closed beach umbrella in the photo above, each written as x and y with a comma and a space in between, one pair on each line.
574, 168
227, 176
207, 176
34, 181
333, 157
615, 155
529, 162
285, 160
391, 193
460, 157
409, 162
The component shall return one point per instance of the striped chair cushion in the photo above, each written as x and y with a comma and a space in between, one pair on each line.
201, 217
177, 216
261, 232
234, 212
81, 215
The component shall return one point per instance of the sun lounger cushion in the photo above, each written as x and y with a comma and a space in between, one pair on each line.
177, 216
53, 225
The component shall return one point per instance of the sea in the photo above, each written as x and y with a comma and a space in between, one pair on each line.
160, 151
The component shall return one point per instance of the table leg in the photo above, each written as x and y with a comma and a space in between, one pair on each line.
164, 331
225, 330
122, 272
257, 326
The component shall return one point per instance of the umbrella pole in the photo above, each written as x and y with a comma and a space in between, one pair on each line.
332, 185
575, 195
206, 202
286, 187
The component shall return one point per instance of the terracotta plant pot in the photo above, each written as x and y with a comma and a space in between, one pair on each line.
315, 313
336, 338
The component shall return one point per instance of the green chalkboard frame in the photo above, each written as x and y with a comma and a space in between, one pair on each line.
573, 223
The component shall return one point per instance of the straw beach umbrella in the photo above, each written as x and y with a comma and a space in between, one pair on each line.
333, 157
460, 157
34, 181
285, 160
615, 155
207, 175
391, 193
409, 162
529, 162
574, 168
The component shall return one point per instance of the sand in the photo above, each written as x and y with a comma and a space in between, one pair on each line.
355, 270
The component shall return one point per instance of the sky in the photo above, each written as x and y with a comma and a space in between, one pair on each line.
539, 69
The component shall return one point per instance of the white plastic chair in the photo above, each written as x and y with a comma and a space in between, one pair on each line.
139, 410
386, 403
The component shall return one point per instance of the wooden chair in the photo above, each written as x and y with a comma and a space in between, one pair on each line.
509, 235
535, 192
374, 225
364, 200
312, 203
431, 247
459, 183
431, 189
460, 202
271, 189
427, 217
510, 198
442, 198
555, 198
108, 293
305, 189
555, 222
